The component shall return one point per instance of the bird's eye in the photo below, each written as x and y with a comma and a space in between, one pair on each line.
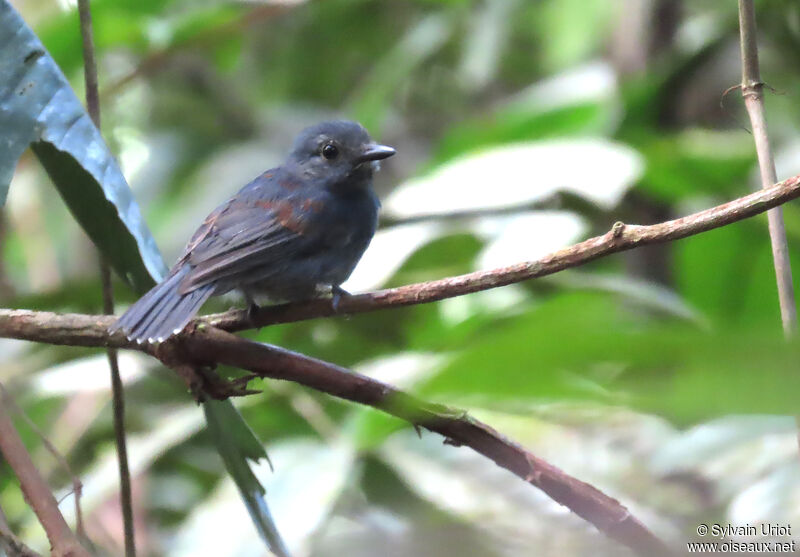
330, 151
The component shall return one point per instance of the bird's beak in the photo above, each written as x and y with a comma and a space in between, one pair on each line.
375, 152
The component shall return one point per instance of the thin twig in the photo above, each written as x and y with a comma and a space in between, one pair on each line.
118, 406
753, 92
118, 395
77, 486
37, 492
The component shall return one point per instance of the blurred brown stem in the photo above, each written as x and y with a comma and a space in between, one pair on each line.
753, 92
118, 404
77, 486
37, 493
118, 395
606, 513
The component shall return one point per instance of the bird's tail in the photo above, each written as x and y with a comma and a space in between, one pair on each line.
162, 312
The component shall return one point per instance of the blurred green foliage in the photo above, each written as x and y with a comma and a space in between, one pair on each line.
646, 373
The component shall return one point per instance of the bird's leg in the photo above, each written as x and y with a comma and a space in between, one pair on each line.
338, 293
252, 306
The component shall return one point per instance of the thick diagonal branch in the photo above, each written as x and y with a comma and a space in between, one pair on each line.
208, 345
606, 513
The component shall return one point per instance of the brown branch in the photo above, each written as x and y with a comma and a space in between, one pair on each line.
117, 392
77, 486
753, 93
37, 492
606, 513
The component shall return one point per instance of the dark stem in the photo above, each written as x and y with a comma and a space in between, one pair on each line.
753, 92
117, 392
91, 330
118, 404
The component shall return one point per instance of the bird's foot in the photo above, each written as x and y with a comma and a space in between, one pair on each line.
252, 311
338, 293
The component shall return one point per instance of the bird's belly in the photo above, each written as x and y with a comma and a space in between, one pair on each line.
304, 277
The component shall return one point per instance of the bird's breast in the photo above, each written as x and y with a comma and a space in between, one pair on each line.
343, 220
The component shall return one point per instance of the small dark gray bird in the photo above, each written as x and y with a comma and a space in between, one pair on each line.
290, 234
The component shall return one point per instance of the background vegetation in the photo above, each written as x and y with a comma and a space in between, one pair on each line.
660, 376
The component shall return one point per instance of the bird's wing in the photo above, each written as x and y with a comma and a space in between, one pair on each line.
243, 233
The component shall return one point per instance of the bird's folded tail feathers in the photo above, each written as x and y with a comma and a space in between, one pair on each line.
162, 312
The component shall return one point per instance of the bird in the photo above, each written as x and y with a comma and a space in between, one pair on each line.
293, 233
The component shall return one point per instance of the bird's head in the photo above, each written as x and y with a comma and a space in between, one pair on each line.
339, 156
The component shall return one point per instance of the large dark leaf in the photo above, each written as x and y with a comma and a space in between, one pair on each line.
39, 108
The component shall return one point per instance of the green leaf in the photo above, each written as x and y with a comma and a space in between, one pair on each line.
519, 124
39, 108
581, 346
570, 29
237, 444
695, 162
421, 41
